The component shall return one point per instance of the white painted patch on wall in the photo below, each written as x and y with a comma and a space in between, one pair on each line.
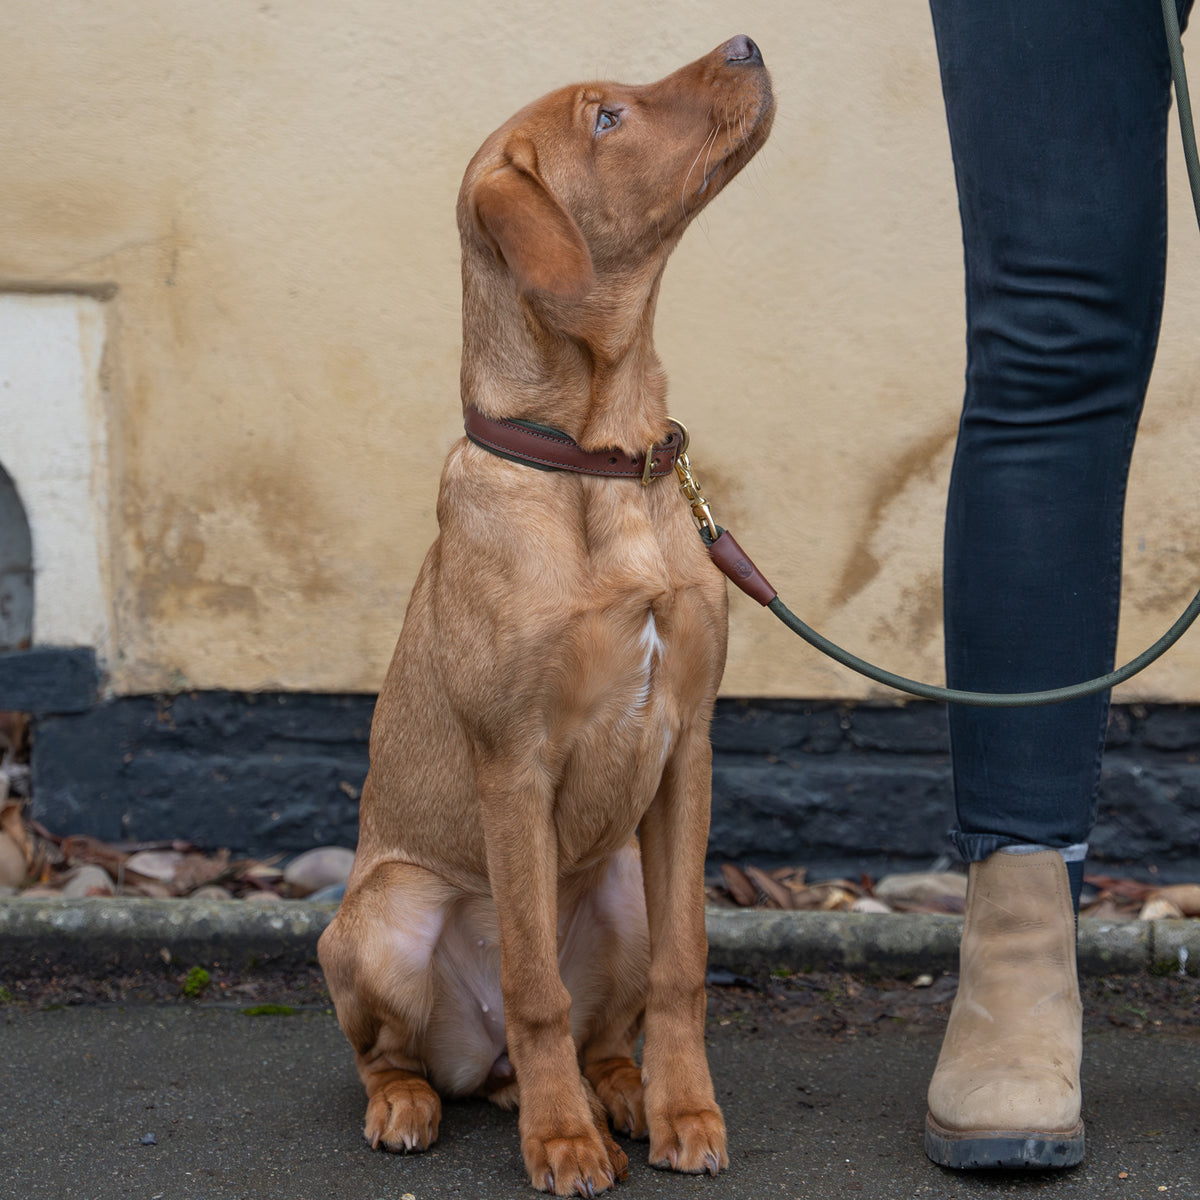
53, 444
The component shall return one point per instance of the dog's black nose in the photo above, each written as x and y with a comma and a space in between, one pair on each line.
741, 50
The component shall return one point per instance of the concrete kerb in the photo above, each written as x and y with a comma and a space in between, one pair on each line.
123, 935
118, 935
752, 940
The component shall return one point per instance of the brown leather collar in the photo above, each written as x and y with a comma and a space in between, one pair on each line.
552, 450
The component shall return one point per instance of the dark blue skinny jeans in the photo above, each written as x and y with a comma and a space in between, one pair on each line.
1058, 113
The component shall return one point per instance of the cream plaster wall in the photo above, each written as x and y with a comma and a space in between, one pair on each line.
260, 198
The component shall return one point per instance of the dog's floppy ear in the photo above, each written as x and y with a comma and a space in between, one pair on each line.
535, 235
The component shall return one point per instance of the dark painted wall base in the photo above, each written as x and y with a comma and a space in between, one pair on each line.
259, 774
48, 679
855, 788
842, 789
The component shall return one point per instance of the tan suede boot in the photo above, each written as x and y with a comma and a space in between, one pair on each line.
1005, 1092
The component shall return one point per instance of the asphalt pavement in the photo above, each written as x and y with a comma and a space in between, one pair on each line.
822, 1080
174, 1102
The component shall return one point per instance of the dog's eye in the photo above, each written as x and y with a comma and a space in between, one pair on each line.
605, 120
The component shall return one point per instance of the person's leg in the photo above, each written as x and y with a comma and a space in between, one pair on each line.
1057, 116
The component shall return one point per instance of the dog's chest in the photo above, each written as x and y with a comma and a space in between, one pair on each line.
619, 726
643, 667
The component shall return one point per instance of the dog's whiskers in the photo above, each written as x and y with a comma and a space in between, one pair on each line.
712, 146
709, 141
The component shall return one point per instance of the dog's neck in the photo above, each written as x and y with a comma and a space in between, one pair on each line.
588, 368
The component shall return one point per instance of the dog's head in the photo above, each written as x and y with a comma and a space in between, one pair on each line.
594, 184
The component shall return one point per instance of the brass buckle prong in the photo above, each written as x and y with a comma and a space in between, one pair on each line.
649, 463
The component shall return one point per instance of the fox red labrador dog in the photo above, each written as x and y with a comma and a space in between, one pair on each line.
527, 895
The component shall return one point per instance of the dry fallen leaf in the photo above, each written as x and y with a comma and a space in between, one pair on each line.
155, 864
1184, 896
1130, 889
88, 879
13, 824
740, 888
154, 888
1159, 908
197, 870
838, 899
836, 894
79, 849
778, 896
13, 869
1107, 907
922, 887
793, 877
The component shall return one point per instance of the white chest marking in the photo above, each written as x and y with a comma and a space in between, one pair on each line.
652, 646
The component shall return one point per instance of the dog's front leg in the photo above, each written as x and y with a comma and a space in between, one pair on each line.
687, 1131
565, 1151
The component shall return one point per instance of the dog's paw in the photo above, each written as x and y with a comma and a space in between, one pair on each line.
580, 1165
689, 1141
618, 1160
618, 1083
403, 1115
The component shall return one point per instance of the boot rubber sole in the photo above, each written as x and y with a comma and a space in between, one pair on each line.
1003, 1149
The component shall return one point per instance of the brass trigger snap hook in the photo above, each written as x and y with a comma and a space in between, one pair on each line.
691, 488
